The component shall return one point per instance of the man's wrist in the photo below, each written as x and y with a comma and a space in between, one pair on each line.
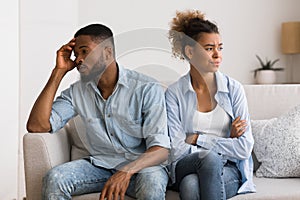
59, 71
128, 169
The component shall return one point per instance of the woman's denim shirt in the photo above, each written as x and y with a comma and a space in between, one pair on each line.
181, 103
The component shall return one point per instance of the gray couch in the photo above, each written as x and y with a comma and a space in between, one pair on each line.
43, 151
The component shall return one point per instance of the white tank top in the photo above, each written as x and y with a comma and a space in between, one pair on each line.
215, 122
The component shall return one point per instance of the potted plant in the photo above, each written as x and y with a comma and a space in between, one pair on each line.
266, 73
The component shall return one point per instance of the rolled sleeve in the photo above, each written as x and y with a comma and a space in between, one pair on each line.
155, 129
55, 121
158, 140
62, 111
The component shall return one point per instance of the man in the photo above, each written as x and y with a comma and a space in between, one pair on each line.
125, 118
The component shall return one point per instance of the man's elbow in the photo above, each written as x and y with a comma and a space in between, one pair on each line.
164, 152
36, 127
161, 153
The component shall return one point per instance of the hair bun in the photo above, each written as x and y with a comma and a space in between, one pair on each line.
185, 28
184, 20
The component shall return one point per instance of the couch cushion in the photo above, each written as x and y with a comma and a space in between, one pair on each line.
170, 195
273, 188
267, 188
78, 149
277, 145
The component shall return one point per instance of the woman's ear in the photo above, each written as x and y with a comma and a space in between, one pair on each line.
188, 51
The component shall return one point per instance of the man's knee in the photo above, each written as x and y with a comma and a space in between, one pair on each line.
53, 185
151, 183
52, 177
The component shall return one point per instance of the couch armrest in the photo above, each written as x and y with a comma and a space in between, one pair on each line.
42, 151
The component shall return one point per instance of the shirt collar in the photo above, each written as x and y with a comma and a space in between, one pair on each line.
122, 79
186, 85
221, 81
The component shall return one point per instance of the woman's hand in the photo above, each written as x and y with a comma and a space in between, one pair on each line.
238, 127
192, 139
63, 57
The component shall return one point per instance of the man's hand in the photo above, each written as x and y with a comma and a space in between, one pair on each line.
63, 57
38, 120
116, 186
238, 127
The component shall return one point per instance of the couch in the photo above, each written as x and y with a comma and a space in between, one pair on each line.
42, 151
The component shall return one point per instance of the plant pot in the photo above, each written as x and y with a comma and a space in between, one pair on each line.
266, 77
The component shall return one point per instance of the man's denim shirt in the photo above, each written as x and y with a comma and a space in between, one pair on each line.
121, 128
181, 103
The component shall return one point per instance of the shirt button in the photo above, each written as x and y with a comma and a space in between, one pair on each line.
111, 134
108, 115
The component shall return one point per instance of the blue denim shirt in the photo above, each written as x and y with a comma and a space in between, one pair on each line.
181, 103
119, 129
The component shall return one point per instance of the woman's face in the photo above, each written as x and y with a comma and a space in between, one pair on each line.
207, 56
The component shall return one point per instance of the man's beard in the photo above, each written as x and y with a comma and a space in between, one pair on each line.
94, 75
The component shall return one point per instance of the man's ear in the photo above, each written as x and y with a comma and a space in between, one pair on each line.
188, 51
108, 52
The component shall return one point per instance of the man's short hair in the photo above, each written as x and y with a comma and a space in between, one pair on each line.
98, 32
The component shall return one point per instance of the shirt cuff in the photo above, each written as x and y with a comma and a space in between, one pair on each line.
206, 141
159, 140
55, 122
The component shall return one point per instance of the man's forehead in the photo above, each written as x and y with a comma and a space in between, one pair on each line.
85, 41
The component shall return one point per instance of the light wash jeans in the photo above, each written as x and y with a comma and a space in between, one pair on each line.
81, 177
206, 176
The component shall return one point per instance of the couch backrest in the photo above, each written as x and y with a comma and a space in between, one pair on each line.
264, 102
268, 101
78, 149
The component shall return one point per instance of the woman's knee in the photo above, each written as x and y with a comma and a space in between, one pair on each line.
212, 160
189, 188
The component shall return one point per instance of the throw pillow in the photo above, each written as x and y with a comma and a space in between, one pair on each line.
277, 145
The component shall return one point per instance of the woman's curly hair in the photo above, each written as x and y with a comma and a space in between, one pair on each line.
186, 29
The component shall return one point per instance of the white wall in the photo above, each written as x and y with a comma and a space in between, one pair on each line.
45, 26
9, 87
247, 28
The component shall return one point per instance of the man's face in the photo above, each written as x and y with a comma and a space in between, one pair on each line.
89, 57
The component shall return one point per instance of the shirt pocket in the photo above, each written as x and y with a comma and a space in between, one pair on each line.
131, 141
96, 138
131, 127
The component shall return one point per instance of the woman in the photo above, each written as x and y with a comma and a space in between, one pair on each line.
208, 117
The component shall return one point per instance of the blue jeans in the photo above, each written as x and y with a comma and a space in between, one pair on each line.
81, 177
206, 176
